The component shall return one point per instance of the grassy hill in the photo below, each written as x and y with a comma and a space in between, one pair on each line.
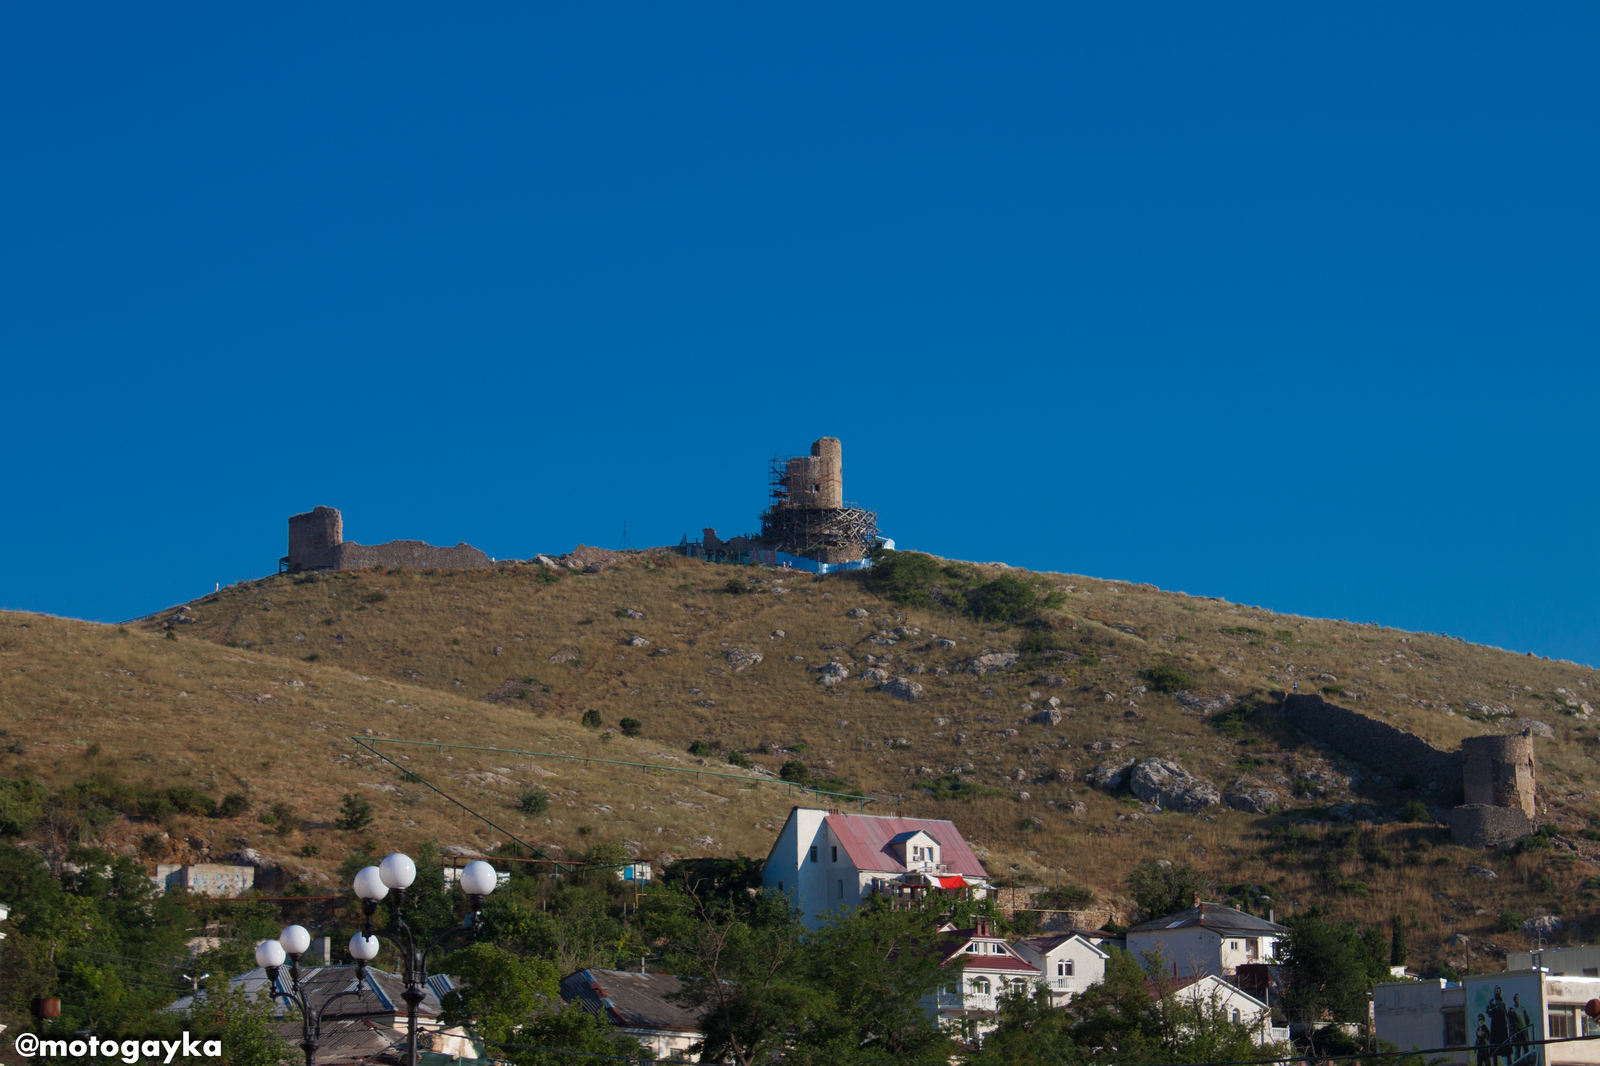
264, 683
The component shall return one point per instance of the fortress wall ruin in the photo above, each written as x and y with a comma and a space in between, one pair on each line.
316, 542
1392, 752
1478, 825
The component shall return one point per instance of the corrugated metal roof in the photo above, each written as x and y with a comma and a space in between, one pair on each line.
1216, 917
379, 995
866, 838
632, 1000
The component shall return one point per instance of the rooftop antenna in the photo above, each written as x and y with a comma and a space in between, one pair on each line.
624, 546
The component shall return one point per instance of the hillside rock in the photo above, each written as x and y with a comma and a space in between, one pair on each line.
876, 675
988, 664
1534, 726
1544, 925
564, 655
1171, 787
1109, 775
945, 643
1205, 704
1244, 795
858, 612
743, 658
634, 613
1049, 716
903, 689
638, 642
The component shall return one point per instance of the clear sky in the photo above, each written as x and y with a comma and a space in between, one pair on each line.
1293, 304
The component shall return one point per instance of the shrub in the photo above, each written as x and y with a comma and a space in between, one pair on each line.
282, 817
738, 758
592, 719
1415, 811
1008, 599
1508, 922
951, 787
700, 749
547, 577
1166, 678
455, 640
1038, 640
233, 805
631, 727
1063, 898
734, 587
534, 801
354, 813
375, 597
794, 770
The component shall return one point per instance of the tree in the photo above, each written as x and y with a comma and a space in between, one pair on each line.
1331, 966
354, 813
1031, 1031
1397, 941
631, 727
1162, 888
499, 990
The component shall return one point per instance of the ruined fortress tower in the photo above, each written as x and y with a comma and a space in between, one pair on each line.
1497, 778
808, 515
316, 542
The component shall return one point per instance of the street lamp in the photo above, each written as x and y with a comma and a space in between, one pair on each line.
293, 942
396, 873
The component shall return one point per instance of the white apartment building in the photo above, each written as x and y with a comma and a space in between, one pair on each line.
983, 967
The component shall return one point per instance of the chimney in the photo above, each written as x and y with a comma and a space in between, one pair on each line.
983, 927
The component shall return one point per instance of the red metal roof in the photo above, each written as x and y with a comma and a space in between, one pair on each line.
865, 838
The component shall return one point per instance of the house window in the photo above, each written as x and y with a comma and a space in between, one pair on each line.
1064, 968
980, 985
1236, 1018
841, 890
836, 853
1455, 1028
780, 888
998, 949
1018, 985
1560, 1024
972, 948
813, 854
1233, 945
1591, 971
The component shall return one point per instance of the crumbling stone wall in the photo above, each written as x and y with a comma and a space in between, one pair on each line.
1392, 752
1499, 772
1479, 825
316, 542
816, 481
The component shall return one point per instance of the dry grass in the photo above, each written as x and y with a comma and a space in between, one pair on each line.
429, 640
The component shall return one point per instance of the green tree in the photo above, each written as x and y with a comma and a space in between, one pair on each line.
354, 813
1030, 1031
570, 1029
1331, 967
1397, 941
1161, 889
499, 990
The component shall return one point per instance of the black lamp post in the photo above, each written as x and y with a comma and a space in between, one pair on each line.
397, 872
293, 942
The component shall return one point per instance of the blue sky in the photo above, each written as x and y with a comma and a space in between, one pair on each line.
1291, 304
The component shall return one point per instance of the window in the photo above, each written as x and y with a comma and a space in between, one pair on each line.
998, 949
780, 888
836, 853
813, 854
1236, 1016
1560, 1024
1233, 945
1064, 968
980, 985
1455, 1028
1018, 985
841, 890
972, 949
1591, 971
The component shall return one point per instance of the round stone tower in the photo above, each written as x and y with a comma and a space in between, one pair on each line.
1498, 772
313, 538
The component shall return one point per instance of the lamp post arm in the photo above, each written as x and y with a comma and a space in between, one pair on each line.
471, 923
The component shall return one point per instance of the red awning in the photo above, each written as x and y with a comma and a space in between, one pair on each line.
951, 882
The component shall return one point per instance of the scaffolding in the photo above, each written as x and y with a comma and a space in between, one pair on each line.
826, 534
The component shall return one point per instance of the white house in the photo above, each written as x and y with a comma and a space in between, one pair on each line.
1207, 938
1465, 1017
982, 968
1067, 963
827, 860
1212, 992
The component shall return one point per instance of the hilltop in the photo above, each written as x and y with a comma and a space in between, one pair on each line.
265, 682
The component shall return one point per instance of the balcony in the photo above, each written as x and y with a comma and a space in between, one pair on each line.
964, 1001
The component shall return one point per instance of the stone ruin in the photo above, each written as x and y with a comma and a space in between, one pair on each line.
316, 542
1497, 778
808, 517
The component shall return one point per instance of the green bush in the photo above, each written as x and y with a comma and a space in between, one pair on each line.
375, 597
1415, 811
534, 801
794, 770
233, 805
354, 813
1063, 898
734, 587
1508, 922
699, 749
1008, 599
738, 758
1166, 678
631, 727
951, 787
592, 719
